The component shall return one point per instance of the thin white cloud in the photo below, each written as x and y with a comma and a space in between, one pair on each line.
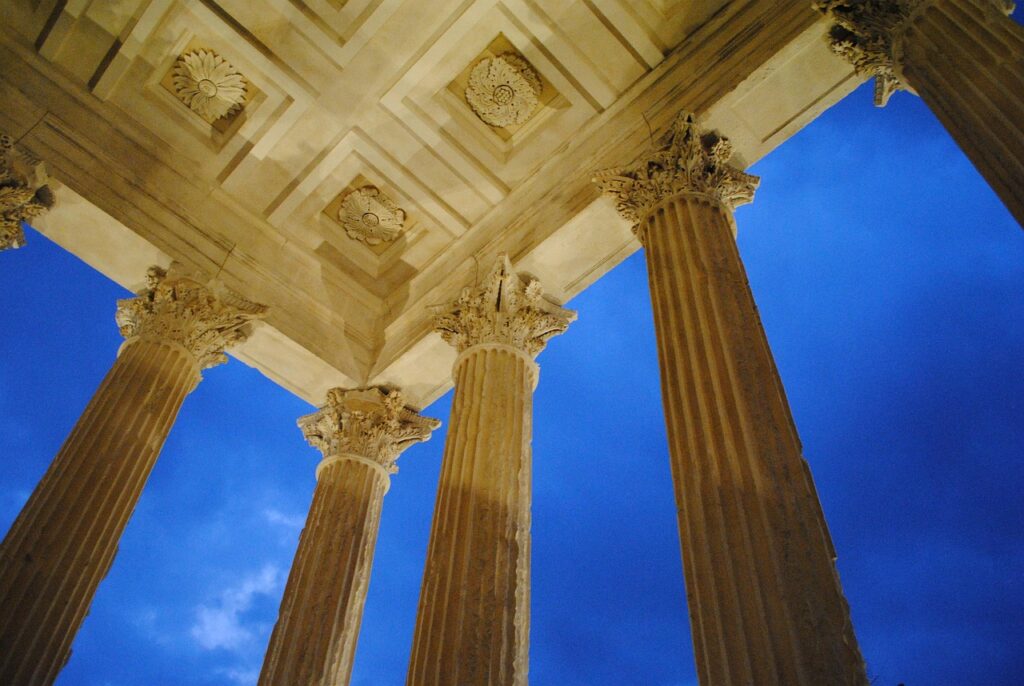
241, 676
219, 624
277, 517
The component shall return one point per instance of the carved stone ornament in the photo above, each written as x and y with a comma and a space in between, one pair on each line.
24, 194
369, 216
370, 422
503, 90
688, 160
502, 309
867, 34
204, 319
208, 84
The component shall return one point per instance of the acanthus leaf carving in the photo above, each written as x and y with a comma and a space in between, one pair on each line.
368, 215
504, 309
687, 160
208, 84
373, 423
867, 34
503, 90
24, 194
205, 319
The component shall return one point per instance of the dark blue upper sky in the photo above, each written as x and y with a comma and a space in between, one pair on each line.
891, 284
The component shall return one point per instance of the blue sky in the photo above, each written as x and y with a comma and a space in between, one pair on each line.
890, 280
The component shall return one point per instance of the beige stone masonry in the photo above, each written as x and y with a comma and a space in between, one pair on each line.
360, 434
64, 541
765, 603
965, 58
24, 194
473, 623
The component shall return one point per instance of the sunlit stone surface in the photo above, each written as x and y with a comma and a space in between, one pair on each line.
65, 539
762, 589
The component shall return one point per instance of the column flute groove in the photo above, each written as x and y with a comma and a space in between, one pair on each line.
965, 58
764, 598
360, 433
472, 626
64, 541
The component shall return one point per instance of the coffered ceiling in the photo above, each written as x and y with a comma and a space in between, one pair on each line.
350, 162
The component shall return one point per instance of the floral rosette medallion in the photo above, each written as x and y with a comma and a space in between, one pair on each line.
369, 216
208, 84
503, 90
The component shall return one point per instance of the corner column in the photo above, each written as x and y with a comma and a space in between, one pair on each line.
965, 58
64, 541
473, 623
764, 598
360, 433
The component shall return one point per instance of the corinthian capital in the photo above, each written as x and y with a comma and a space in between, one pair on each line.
867, 33
204, 318
504, 309
687, 160
24, 194
373, 423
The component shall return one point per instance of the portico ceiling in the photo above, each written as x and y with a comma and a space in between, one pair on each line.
350, 163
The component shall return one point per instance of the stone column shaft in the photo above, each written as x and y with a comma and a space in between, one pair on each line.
473, 622
764, 598
64, 540
965, 58
474, 618
360, 433
315, 637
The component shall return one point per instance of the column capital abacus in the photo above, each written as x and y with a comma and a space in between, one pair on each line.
205, 319
867, 34
687, 160
371, 423
504, 309
24, 194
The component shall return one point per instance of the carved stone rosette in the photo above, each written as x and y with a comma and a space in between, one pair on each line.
24, 194
503, 90
370, 216
360, 433
208, 84
204, 319
686, 161
504, 308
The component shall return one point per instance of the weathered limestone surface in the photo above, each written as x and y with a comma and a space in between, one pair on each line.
965, 58
764, 597
473, 623
360, 434
24, 194
64, 541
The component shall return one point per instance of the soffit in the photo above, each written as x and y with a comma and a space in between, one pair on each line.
369, 93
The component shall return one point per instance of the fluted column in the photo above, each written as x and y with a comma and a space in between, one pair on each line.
965, 58
64, 540
24, 194
360, 433
764, 598
473, 624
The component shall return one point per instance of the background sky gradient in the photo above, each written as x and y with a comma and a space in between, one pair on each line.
891, 284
